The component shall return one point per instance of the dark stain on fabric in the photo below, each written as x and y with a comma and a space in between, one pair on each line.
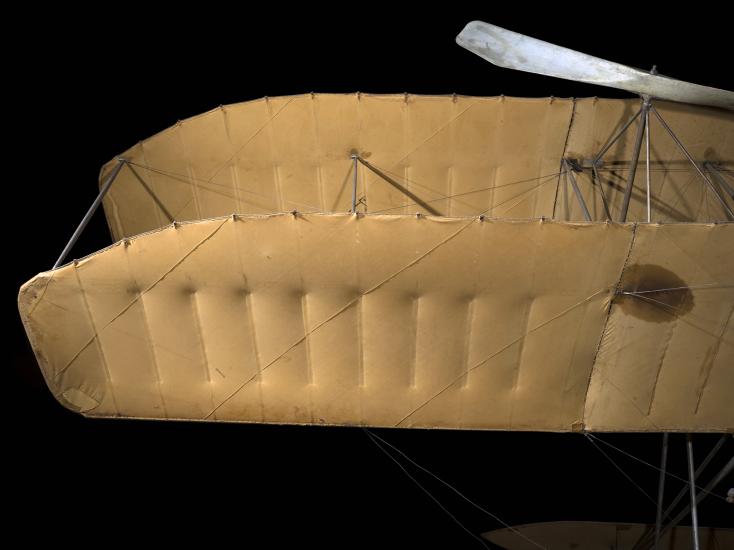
653, 293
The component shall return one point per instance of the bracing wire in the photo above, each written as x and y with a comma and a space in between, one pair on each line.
547, 177
189, 179
454, 489
619, 468
426, 491
689, 287
592, 436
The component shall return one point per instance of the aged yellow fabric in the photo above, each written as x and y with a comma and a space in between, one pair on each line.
465, 292
497, 156
388, 320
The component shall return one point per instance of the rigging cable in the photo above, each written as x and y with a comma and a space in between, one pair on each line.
610, 459
376, 437
699, 488
426, 491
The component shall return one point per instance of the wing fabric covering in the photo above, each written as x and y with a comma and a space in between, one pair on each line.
462, 156
385, 320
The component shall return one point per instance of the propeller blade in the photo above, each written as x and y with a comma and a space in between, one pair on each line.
523, 53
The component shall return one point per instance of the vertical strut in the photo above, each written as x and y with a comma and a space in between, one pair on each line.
354, 182
661, 490
646, 541
701, 468
597, 179
92, 209
635, 159
692, 485
576, 190
695, 164
647, 159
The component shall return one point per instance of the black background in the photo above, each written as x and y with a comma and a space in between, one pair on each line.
85, 86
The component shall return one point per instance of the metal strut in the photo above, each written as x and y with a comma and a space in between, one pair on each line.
412, 196
646, 540
697, 473
692, 485
695, 164
647, 161
654, 70
643, 132
92, 209
597, 159
718, 478
661, 490
635, 158
612, 141
570, 175
605, 203
355, 158
713, 169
